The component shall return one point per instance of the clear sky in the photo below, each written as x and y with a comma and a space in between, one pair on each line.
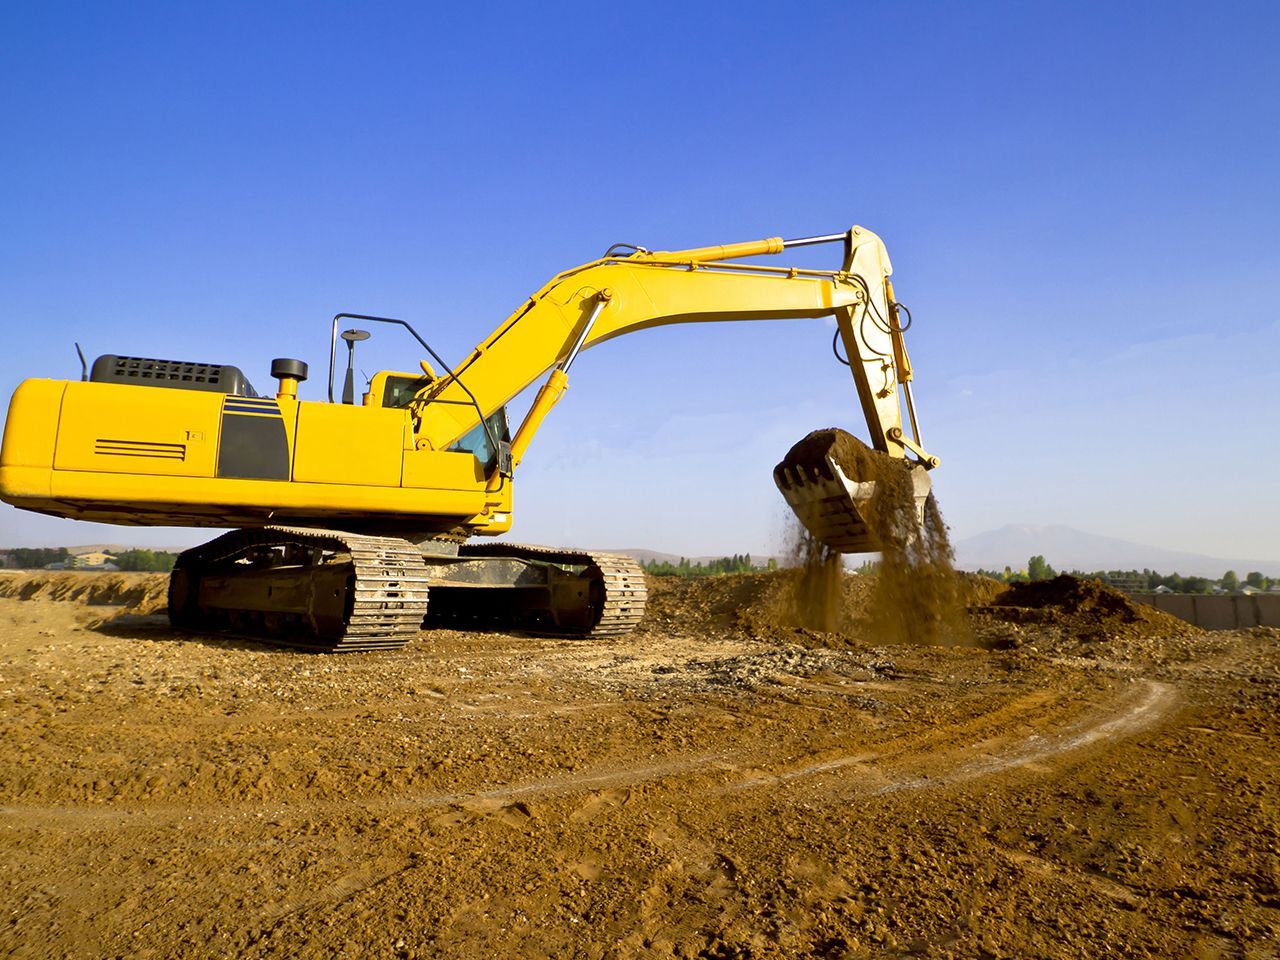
1081, 201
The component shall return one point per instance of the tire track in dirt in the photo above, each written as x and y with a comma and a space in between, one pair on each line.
344, 888
1137, 710
924, 768
1131, 713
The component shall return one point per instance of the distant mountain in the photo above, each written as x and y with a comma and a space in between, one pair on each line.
1068, 549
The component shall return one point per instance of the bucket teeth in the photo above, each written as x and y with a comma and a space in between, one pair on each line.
833, 507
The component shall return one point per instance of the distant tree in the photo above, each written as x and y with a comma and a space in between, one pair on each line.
1038, 569
156, 561
34, 558
738, 563
1013, 576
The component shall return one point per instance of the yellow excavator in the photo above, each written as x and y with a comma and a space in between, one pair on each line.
350, 516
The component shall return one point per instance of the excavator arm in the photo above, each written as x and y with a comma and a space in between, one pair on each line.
618, 294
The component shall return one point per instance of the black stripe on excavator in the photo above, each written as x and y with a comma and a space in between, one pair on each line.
246, 406
253, 445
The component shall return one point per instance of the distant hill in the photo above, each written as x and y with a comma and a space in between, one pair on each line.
1066, 548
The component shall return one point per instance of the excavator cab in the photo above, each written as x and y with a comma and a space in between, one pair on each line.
396, 389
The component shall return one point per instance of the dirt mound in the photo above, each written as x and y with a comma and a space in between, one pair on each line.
140, 592
759, 605
1089, 611
764, 606
817, 605
697, 605
978, 590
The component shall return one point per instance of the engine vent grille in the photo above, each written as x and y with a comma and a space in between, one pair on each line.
149, 372
141, 448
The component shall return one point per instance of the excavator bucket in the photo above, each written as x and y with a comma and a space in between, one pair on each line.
833, 505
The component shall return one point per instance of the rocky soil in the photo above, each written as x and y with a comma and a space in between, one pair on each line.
1086, 778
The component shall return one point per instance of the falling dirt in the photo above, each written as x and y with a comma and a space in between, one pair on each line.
817, 602
918, 596
719, 784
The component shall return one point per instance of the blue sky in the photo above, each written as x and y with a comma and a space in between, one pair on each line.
1080, 200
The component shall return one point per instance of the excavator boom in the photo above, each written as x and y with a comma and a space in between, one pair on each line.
607, 298
615, 295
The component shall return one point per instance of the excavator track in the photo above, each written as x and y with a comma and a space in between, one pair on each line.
616, 590
322, 590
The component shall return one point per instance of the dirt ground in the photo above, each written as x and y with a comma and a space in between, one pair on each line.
1090, 781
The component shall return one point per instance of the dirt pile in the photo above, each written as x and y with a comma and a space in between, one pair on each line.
763, 606
818, 605
700, 605
758, 605
918, 597
140, 592
1086, 612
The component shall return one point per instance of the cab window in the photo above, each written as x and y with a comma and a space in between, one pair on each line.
476, 442
399, 391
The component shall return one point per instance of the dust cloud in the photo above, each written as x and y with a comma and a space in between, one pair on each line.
918, 596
